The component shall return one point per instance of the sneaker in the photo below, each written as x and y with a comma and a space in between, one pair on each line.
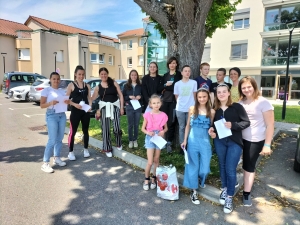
135, 144
194, 198
47, 168
108, 154
152, 186
86, 153
228, 207
71, 156
169, 148
58, 161
130, 144
240, 161
119, 148
236, 184
223, 196
145, 186
247, 201
204, 186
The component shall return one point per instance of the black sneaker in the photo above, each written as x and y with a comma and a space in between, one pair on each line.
247, 201
194, 198
228, 207
223, 196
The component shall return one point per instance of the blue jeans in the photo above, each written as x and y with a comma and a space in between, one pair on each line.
182, 118
56, 123
229, 154
133, 120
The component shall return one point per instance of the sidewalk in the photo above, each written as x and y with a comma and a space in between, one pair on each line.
211, 193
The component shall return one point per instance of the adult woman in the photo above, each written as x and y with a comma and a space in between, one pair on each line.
56, 122
151, 84
169, 102
234, 74
229, 148
256, 138
133, 91
110, 108
80, 93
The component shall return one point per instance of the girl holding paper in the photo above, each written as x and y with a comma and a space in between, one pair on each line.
133, 92
56, 122
155, 123
228, 148
80, 94
198, 149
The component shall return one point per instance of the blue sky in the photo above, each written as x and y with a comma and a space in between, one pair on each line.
110, 17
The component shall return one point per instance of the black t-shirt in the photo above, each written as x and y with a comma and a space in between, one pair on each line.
168, 95
213, 86
109, 94
80, 94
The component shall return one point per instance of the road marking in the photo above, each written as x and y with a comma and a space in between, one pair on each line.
22, 108
10, 108
33, 115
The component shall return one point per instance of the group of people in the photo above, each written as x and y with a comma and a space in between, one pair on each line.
195, 104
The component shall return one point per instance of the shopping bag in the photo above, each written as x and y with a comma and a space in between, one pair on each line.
167, 183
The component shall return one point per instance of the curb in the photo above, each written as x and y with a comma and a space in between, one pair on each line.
209, 192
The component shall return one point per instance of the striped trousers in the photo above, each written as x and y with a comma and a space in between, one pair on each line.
105, 126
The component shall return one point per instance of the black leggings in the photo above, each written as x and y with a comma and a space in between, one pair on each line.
251, 152
76, 116
168, 108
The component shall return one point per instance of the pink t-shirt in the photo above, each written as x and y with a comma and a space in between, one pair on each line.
155, 121
257, 130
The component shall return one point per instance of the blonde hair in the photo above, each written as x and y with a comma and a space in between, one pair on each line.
252, 81
217, 103
153, 97
207, 105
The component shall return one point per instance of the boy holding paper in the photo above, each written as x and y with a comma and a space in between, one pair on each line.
228, 147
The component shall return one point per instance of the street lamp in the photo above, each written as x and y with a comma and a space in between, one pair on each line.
145, 37
290, 25
3, 55
156, 56
55, 53
84, 49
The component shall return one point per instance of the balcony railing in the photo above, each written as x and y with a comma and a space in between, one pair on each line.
277, 26
99, 41
278, 61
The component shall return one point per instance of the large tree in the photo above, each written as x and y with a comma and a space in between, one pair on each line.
187, 23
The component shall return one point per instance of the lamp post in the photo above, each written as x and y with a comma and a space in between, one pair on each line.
84, 49
145, 37
290, 25
3, 55
55, 53
156, 56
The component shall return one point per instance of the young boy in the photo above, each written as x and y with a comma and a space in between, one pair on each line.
203, 81
221, 73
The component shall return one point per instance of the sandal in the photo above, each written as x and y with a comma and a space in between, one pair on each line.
153, 185
146, 186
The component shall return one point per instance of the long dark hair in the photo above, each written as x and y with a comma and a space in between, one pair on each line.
207, 105
79, 67
128, 85
156, 68
170, 60
110, 81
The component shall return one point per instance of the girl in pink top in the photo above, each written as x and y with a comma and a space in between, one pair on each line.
258, 137
155, 123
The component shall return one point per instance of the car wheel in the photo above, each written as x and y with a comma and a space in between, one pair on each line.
27, 97
296, 165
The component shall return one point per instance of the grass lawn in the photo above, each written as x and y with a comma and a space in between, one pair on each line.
292, 114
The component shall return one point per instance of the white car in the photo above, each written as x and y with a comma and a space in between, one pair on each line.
19, 93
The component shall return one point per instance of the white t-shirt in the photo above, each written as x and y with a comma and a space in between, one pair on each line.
52, 94
185, 92
257, 130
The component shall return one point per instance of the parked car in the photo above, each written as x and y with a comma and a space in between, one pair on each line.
15, 79
297, 155
41, 84
19, 93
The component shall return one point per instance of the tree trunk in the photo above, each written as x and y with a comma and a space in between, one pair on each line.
184, 24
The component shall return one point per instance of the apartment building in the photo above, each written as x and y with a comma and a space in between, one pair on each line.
44, 46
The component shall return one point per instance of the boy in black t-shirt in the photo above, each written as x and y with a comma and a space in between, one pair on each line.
221, 73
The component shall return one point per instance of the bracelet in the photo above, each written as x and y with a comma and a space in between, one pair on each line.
267, 145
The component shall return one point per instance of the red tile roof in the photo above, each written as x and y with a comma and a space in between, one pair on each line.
9, 27
136, 32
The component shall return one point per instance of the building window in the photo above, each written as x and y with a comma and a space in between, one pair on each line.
141, 60
124, 46
129, 62
141, 43
130, 44
239, 50
24, 54
110, 60
94, 58
101, 58
97, 58
241, 19
206, 53
59, 56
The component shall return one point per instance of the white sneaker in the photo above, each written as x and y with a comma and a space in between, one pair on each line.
47, 168
135, 144
86, 153
130, 144
71, 156
119, 148
109, 154
58, 161
240, 161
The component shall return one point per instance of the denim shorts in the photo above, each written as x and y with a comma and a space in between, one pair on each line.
149, 144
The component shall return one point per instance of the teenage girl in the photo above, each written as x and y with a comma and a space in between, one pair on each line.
155, 122
199, 149
79, 93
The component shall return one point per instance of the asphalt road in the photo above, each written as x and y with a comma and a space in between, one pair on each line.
98, 190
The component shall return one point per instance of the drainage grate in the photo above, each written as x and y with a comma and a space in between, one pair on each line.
37, 128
